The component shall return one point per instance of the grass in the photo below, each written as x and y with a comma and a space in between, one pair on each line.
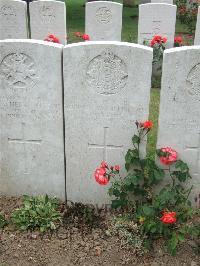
76, 23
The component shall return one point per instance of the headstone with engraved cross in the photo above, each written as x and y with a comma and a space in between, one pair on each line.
106, 91
103, 20
157, 19
31, 135
179, 120
48, 17
13, 19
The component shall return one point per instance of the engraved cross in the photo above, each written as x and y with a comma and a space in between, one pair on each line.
25, 142
196, 148
105, 145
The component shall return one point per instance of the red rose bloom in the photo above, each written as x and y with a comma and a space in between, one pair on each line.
100, 176
85, 37
78, 34
147, 124
170, 156
178, 39
52, 38
104, 164
157, 39
164, 39
117, 168
169, 218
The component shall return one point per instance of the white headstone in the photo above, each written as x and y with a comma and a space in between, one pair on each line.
31, 135
106, 90
163, 1
103, 21
157, 19
179, 120
197, 31
13, 24
48, 17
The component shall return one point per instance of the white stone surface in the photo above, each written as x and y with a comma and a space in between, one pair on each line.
31, 120
13, 24
48, 17
103, 21
105, 91
157, 19
179, 120
197, 31
163, 1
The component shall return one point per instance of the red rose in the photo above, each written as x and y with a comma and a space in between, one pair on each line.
86, 37
178, 39
169, 157
100, 176
164, 39
147, 124
78, 34
52, 38
157, 39
117, 168
169, 218
104, 164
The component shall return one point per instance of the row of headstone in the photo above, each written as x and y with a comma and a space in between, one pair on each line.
46, 17
105, 91
103, 20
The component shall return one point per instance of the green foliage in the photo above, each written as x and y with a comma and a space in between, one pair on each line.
3, 221
187, 13
37, 213
137, 192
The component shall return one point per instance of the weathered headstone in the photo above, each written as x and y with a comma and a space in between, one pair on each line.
197, 31
103, 21
179, 120
13, 24
145, 1
48, 17
106, 91
31, 135
163, 1
157, 19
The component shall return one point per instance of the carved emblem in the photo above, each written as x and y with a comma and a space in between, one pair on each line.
193, 82
18, 70
47, 14
103, 15
107, 73
8, 12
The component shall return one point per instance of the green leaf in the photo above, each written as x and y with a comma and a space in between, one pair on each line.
148, 211
117, 203
135, 140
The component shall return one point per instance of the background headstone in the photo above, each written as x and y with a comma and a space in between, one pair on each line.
103, 21
31, 135
197, 31
48, 17
179, 120
145, 1
163, 1
13, 19
105, 91
157, 19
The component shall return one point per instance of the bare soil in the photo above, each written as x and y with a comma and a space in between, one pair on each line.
78, 244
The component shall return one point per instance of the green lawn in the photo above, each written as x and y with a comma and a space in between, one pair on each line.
76, 22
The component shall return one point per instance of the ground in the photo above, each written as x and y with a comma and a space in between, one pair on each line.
78, 244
